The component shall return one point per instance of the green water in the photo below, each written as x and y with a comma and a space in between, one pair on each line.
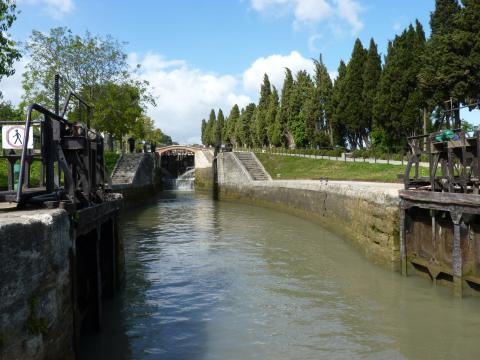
221, 280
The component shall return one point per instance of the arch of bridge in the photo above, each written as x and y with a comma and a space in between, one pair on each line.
178, 148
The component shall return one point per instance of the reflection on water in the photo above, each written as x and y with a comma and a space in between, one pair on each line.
220, 280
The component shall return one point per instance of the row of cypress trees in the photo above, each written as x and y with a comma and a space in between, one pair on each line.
370, 103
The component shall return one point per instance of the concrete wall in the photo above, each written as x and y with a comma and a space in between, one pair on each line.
147, 180
365, 213
204, 170
36, 319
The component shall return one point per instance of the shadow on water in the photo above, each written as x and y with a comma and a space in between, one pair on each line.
163, 310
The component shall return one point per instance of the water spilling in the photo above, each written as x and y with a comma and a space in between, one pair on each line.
221, 280
185, 182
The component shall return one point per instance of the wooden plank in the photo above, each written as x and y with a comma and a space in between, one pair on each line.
441, 197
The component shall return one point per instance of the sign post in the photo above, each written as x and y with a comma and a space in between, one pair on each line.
13, 137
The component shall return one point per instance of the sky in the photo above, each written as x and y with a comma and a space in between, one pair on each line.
204, 54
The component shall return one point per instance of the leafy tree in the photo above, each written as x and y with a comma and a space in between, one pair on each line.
371, 78
83, 62
260, 133
337, 123
219, 125
8, 112
117, 109
8, 49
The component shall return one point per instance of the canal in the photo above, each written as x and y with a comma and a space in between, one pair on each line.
222, 280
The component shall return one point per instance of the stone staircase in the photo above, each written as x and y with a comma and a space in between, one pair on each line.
255, 169
126, 168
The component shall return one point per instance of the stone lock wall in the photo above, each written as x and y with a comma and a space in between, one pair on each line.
365, 213
36, 320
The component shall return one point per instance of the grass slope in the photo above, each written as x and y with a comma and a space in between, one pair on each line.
286, 167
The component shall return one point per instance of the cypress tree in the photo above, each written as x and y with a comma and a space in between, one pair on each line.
351, 104
301, 93
210, 129
280, 132
204, 129
371, 77
323, 133
230, 133
468, 24
398, 105
219, 125
272, 115
441, 61
260, 131
244, 126
337, 124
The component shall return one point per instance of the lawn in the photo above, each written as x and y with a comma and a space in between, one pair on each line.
286, 167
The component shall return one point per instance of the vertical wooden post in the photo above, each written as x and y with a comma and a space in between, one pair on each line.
434, 238
77, 319
457, 261
403, 247
98, 281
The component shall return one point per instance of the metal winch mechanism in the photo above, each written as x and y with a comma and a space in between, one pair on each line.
52, 161
453, 157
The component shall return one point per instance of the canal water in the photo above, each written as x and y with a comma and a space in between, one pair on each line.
222, 280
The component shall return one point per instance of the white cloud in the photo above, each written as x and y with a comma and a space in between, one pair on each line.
55, 8
274, 66
185, 95
315, 11
312, 10
350, 10
11, 87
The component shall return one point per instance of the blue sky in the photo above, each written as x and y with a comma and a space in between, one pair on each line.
208, 54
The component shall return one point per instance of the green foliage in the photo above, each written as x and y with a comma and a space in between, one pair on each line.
280, 130
9, 52
244, 126
271, 116
370, 106
301, 109
230, 133
8, 112
204, 132
338, 125
371, 77
210, 129
219, 125
397, 111
111, 158
260, 128
350, 109
322, 100
84, 62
